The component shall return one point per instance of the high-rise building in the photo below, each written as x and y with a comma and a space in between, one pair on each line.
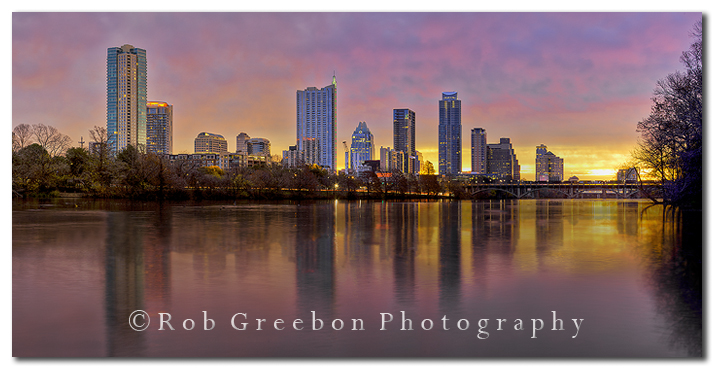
385, 159
501, 161
290, 157
207, 142
450, 134
403, 122
317, 125
126, 97
549, 167
258, 146
362, 148
242, 143
479, 151
159, 127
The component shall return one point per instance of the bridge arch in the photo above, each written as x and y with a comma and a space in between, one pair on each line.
532, 191
495, 189
605, 190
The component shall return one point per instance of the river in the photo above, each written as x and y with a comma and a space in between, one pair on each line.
500, 278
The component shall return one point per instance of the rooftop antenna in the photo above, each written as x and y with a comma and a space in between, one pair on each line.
334, 82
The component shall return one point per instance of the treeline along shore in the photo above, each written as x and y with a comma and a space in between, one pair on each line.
133, 173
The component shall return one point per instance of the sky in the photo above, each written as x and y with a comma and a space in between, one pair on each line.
576, 82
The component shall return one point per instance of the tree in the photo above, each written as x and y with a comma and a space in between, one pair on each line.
428, 169
670, 147
33, 170
51, 139
21, 136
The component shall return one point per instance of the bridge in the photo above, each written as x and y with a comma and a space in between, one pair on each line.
561, 190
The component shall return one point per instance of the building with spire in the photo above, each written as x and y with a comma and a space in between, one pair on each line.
450, 134
126, 97
317, 125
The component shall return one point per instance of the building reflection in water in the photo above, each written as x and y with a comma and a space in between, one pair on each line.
627, 218
359, 237
157, 263
495, 232
403, 239
315, 258
124, 266
549, 228
450, 244
138, 275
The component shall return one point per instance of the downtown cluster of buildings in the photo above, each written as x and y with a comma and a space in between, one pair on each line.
134, 120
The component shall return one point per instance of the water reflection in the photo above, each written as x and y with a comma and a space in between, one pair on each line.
403, 217
632, 271
450, 256
125, 284
495, 233
315, 258
676, 275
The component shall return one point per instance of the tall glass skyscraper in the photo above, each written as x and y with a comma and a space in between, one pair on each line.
479, 150
403, 122
450, 134
317, 125
126, 97
363, 146
159, 127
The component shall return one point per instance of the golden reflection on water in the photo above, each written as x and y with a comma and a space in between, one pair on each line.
626, 266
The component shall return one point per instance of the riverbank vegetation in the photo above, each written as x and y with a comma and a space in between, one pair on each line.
133, 173
670, 146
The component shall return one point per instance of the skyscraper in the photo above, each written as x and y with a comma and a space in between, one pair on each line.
159, 127
403, 122
502, 162
126, 97
363, 146
317, 125
479, 150
450, 134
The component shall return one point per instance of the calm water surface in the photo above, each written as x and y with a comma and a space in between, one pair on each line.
629, 273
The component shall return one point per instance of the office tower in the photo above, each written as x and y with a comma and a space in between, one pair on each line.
363, 146
258, 146
479, 151
385, 159
159, 127
549, 167
242, 143
450, 134
403, 121
207, 142
126, 97
317, 124
502, 162
290, 157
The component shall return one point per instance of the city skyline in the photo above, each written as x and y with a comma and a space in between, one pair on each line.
578, 82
